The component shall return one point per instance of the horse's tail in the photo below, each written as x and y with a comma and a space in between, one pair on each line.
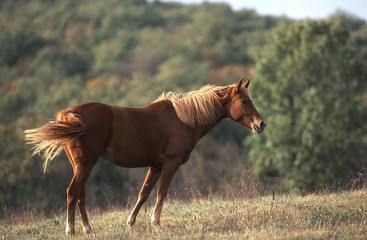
54, 136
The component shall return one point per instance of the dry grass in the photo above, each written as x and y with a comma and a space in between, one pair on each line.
289, 216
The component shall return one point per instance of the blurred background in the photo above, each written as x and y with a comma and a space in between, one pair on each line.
308, 69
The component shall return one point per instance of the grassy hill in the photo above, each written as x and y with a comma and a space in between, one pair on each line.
292, 216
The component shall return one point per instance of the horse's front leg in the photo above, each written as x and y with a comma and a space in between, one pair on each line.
150, 180
169, 170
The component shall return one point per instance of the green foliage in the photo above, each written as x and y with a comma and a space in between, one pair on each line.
310, 82
16, 43
180, 72
66, 63
112, 51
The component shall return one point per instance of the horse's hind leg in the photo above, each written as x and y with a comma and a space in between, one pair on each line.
81, 203
76, 194
150, 180
76, 190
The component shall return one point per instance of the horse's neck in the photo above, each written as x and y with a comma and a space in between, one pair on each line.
201, 130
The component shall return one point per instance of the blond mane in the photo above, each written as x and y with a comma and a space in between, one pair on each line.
198, 107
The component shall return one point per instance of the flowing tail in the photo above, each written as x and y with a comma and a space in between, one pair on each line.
52, 137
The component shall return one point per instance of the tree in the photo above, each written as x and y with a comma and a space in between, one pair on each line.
309, 83
15, 43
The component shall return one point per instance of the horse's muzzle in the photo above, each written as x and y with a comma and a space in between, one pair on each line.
259, 128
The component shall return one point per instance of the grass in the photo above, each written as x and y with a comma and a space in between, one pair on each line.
290, 216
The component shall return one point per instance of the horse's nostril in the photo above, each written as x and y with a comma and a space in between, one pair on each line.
262, 124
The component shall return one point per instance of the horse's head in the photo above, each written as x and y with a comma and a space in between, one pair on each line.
240, 108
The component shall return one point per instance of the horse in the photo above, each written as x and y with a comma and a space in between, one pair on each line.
160, 136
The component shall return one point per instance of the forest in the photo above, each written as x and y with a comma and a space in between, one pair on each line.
308, 80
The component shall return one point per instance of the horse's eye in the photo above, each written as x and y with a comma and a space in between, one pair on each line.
243, 101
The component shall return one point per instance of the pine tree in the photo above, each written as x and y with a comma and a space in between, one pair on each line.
310, 82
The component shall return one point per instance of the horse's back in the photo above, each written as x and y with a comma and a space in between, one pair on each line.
92, 109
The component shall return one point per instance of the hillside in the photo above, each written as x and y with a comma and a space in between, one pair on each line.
316, 216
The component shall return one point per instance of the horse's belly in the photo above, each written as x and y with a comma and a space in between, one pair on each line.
128, 160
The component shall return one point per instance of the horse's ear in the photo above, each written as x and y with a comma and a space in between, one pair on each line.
238, 85
247, 83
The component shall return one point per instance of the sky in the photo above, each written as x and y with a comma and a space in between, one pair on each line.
296, 9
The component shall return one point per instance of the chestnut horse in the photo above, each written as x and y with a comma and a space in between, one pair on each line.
160, 135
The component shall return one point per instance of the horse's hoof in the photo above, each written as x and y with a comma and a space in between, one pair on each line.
130, 221
87, 229
69, 230
156, 224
